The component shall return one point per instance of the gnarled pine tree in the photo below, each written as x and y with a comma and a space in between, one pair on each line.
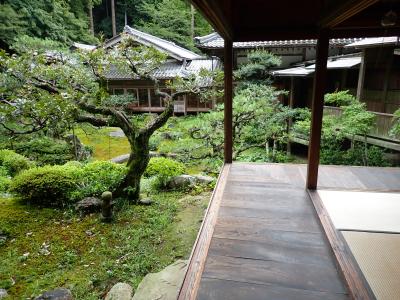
49, 89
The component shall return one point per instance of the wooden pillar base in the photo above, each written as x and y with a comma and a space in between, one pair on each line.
320, 78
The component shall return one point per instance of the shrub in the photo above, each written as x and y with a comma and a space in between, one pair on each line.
340, 98
97, 177
357, 156
4, 184
163, 168
46, 186
13, 162
46, 151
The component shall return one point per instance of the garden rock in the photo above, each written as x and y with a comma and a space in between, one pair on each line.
57, 294
117, 133
120, 291
3, 293
163, 285
120, 159
146, 201
204, 179
181, 181
88, 205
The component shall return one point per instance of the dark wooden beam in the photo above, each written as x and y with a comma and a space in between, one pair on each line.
216, 15
317, 109
344, 11
228, 66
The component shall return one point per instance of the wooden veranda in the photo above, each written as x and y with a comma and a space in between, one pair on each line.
266, 234
265, 237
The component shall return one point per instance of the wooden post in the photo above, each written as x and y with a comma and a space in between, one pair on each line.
290, 121
228, 66
361, 75
320, 77
386, 79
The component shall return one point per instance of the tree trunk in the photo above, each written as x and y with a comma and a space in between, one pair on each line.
192, 21
140, 155
137, 163
113, 23
91, 23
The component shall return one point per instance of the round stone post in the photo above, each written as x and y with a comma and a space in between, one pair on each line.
106, 211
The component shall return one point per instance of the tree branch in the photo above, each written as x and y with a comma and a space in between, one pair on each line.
95, 121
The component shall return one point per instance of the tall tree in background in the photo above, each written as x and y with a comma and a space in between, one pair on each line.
113, 22
90, 5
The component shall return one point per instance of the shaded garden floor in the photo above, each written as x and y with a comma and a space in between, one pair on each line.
48, 248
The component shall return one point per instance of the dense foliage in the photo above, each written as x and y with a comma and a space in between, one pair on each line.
260, 120
352, 120
63, 21
70, 21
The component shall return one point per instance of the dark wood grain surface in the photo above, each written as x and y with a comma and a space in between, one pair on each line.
268, 242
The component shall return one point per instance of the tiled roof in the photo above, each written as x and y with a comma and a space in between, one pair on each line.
162, 45
215, 41
171, 69
377, 41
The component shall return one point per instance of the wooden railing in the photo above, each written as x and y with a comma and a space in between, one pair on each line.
382, 126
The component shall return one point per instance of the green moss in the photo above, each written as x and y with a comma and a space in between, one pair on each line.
88, 256
104, 146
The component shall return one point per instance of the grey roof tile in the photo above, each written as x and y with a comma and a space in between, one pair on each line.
215, 41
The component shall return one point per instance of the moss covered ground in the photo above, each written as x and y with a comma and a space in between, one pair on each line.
48, 248
104, 146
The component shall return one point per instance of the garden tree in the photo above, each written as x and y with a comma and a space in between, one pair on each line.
259, 119
62, 21
50, 90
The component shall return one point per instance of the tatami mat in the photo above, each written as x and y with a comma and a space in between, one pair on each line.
378, 255
363, 211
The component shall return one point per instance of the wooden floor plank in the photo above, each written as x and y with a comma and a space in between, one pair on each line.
297, 239
217, 289
275, 250
255, 226
289, 275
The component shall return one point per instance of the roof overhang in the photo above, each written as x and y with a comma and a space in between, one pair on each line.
376, 42
333, 63
260, 20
